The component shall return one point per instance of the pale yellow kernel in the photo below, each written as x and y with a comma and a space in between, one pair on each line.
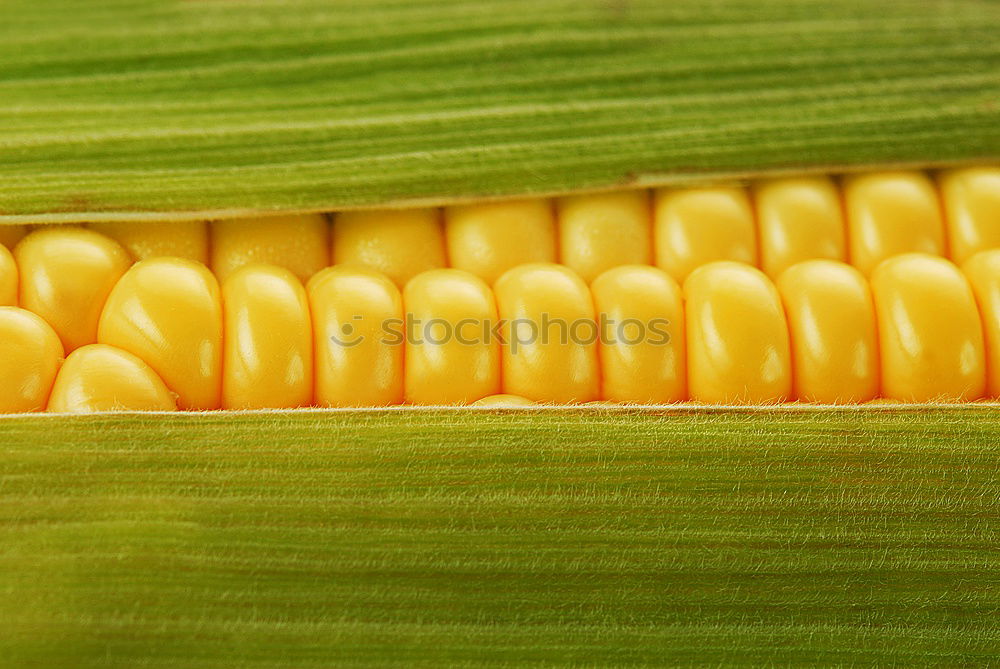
798, 218
168, 312
400, 243
605, 230
737, 336
550, 334
299, 243
971, 200
451, 356
692, 227
155, 239
642, 350
358, 337
98, 377
66, 274
930, 334
31, 357
889, 213
268, 344
490, 238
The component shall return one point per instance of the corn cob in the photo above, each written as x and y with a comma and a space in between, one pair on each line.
814, 331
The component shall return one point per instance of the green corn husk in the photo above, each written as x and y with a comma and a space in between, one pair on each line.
462, 537
127, 108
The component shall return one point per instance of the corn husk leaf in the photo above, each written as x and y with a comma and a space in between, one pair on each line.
118, 108
460, 538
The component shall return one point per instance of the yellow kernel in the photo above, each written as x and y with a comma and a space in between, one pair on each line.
930, 334
400, 243
983, 272
831, 319
299, 243
798, 219
971, 201
31, 356
642, 352
66, 275
168, 312
98, 377
501, 401
598, 232
8, 278
489, 239
451, 356
889, 213
268, 348
154, 239
692, 227
358, 337
737, 336
10, 235
550, 330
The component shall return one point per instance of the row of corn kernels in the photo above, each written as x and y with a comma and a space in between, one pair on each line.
168, 337
772, 224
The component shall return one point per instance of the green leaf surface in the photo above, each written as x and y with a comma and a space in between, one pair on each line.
477, 538
128, 107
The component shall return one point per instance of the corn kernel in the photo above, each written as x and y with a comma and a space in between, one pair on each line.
8, 278
642, 352
550, 334
489, 239
798, 219
501, 401
31, 356
692, 227
400, 243
154, 239
267, 348
599, 232
930, 334
737, 336
10, 235
971, 200
300, 244
357, 335
98, 377
168, 312
66, 275
450, 357
890, 213
831, 319
983, 272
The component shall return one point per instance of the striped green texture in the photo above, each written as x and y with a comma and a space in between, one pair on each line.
120, 107
459, 538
